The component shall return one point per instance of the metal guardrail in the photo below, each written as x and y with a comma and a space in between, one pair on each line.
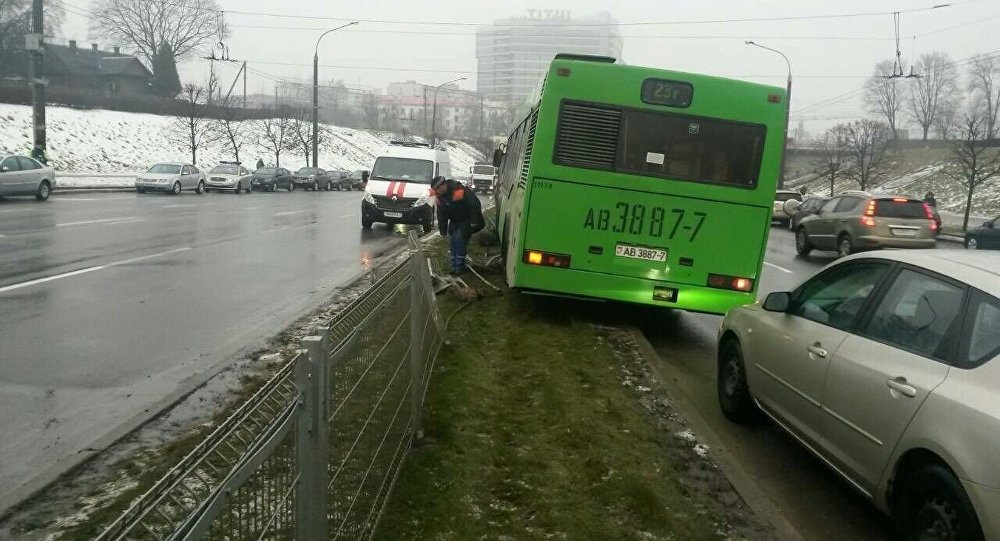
316, 451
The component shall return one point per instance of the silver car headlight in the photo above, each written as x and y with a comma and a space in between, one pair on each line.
369, 198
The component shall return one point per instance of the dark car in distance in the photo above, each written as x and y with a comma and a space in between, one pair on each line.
313, 178
358, 179
797, 210
985, 237
272, 179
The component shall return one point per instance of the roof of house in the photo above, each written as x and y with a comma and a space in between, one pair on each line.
81, 61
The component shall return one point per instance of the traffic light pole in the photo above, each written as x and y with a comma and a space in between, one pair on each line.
36, 72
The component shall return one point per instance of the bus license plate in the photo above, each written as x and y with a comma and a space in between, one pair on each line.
393, 214
637, 252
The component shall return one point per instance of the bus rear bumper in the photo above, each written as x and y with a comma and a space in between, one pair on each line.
595, 285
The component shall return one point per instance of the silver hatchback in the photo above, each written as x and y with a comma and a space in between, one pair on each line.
886, 366
20, 175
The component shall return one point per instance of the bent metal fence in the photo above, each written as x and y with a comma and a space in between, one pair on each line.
315, 452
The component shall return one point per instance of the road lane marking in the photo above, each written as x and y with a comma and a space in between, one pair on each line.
3, 236
175, 206
127, 221
782, 269
276, 229
103, 221
289, 212
349, 216
50, 278
145, 257
37, 281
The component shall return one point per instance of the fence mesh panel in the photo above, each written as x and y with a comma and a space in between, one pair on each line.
244, 480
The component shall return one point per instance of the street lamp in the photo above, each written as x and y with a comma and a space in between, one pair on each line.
316, 92
435, 110
788, 110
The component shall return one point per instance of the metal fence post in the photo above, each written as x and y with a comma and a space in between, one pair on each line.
416, 353
313, 434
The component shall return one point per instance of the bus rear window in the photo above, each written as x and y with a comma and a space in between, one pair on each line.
691, 148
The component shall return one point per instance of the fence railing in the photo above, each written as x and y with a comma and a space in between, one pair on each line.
315, 452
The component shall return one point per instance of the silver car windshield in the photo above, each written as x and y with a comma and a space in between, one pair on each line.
165, 168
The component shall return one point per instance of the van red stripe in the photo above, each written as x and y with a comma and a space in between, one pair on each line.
400, 189
391, 189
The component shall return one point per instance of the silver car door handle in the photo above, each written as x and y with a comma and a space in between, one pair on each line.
818, 351
900, 385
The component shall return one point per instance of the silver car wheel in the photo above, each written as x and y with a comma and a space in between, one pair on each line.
937, 521
971, 243
177, 188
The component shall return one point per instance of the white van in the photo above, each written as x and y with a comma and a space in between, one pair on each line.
399, 186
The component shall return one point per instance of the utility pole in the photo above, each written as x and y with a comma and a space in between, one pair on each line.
244, 84
788, 110
35, 44
434, 111
315, 133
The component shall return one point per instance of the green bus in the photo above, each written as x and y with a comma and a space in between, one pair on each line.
640, 185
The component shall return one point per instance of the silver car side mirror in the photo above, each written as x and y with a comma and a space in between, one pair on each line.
778, 302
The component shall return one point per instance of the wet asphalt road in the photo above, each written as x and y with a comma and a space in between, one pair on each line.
109, 303
818, 503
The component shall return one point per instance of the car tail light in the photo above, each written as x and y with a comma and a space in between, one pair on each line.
870, 209
545, 259
867, 221
736, 283
930, 216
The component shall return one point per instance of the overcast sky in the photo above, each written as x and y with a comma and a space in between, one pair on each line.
829, 56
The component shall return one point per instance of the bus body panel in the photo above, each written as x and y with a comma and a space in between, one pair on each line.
589, 223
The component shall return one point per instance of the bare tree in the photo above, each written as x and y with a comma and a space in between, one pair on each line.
867, 141
212, 88
301, 132
190, 131
883, 94
372, 112
229, 127
143, 25
973, 162
934, 91
274, 133
985, 84
833, 144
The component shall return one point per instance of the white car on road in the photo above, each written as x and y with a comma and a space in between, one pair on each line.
230, 177
171, 178
20, 175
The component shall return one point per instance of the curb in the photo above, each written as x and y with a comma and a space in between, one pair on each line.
744, 483
66, 191
13, 500
951, 238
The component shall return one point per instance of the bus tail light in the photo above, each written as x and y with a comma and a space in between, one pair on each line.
562, 72
930, 216
735, 283
774, 98
545, 259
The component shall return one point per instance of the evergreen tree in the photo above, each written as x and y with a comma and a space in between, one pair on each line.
166, 81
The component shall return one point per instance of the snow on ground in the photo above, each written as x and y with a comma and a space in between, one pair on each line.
94, 143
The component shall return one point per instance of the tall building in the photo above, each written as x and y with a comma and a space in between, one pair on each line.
514, 53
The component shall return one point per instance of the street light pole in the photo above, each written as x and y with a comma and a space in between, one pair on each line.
788, 110
434, 113
315, 134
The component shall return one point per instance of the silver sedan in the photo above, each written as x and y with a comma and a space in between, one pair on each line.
887, 367
171, 178
20, 175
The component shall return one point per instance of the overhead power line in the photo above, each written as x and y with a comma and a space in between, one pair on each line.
583, 24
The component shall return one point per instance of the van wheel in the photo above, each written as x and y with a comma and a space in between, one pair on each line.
44, 191
933, 505
802, 244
